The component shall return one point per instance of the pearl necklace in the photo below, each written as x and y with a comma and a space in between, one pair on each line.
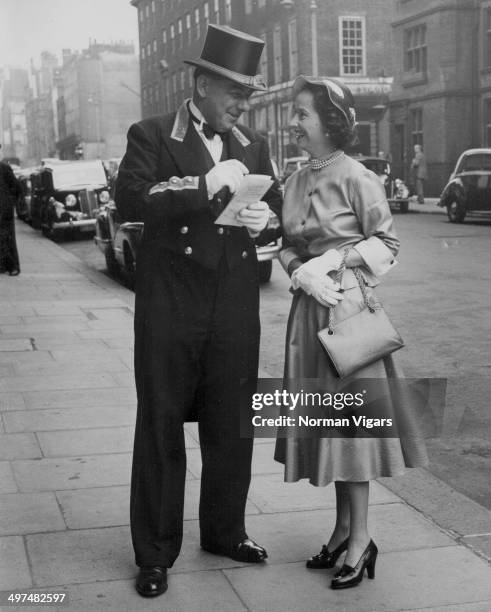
318, 164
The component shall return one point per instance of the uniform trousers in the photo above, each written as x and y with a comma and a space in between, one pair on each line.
196, 338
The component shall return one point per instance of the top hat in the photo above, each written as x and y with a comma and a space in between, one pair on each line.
232, 54
339, 95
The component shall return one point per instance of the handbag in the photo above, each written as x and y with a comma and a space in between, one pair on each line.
362, 338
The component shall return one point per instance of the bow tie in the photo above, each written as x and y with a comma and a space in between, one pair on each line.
208, 131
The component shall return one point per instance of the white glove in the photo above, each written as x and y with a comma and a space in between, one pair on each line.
255, 217
225, 174
322, 288
320, 266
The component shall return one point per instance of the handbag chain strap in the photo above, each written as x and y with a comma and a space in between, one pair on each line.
361, 283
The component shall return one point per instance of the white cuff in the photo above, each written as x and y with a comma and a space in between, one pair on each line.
376, 255
286, 256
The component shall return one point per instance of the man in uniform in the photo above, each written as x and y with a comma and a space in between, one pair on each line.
197, 305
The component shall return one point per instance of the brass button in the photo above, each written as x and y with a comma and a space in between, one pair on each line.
184, 229
219, 200
188, 250
220, 230
174, 180
244, 254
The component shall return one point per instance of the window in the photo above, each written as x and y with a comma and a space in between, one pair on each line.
417, 126
174, 90
149, 50
264, 58
277, 54
164, 37
153, 6
166, 94
293, 48
216, 11
142, 54
140, 14
188, 28
154, 45
179, 32
190, 77
173, 38
228, 11
182, 79
206, 13
147, 11
352, 45
487, 38
415, 49
196, 23
248, 7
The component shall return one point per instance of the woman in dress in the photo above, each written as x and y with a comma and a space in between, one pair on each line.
10, 190
333, 204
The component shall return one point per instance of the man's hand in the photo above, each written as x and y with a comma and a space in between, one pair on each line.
255, 217
225, 174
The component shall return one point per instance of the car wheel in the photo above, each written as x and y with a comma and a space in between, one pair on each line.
111, 262
265, 270
404, 207
455, 212
129, 267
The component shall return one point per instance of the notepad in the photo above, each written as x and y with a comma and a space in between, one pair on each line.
251, 190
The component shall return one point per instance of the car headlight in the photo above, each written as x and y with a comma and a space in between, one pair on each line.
104, 197
70, 201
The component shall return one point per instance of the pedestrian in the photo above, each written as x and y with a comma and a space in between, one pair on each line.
419, 172
10, 190
197, 308
332, 205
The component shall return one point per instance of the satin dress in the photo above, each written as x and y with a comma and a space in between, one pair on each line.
342, 205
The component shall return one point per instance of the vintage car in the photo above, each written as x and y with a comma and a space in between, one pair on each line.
395, 189
468, 191
60, 202
291, 165
119, 241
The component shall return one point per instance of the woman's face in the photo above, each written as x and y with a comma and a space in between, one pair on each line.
307, 125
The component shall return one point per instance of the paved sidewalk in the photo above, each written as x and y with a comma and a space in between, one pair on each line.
67, 408
429, 207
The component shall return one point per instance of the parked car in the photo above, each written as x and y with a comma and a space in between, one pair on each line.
61, 203
23, 203
468, 191
119, 241
291, 165
395, 189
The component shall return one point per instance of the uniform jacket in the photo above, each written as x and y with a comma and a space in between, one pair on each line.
342, 205
161, 181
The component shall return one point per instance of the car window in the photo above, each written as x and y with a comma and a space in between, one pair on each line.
486, 162
471, 162
77, 175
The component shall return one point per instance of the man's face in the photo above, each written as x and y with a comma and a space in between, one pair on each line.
222, 101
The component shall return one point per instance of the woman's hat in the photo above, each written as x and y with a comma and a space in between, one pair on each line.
339, 95
232, 54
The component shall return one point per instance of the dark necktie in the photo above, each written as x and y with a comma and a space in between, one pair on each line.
208, 131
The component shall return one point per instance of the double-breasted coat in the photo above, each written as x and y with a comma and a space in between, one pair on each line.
196, 331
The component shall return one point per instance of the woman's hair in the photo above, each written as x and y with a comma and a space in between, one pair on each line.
333, 121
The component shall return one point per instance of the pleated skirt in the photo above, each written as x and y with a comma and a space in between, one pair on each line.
326, 459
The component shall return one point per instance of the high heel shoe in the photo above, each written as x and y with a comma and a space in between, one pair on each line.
351, 576
326, 559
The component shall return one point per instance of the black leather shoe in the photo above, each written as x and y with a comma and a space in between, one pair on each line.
151, 581
351, 576
326, 559
246, 551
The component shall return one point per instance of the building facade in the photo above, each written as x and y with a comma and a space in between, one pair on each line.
441, 96
347, 39
41, 109
14, 91
99, 99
